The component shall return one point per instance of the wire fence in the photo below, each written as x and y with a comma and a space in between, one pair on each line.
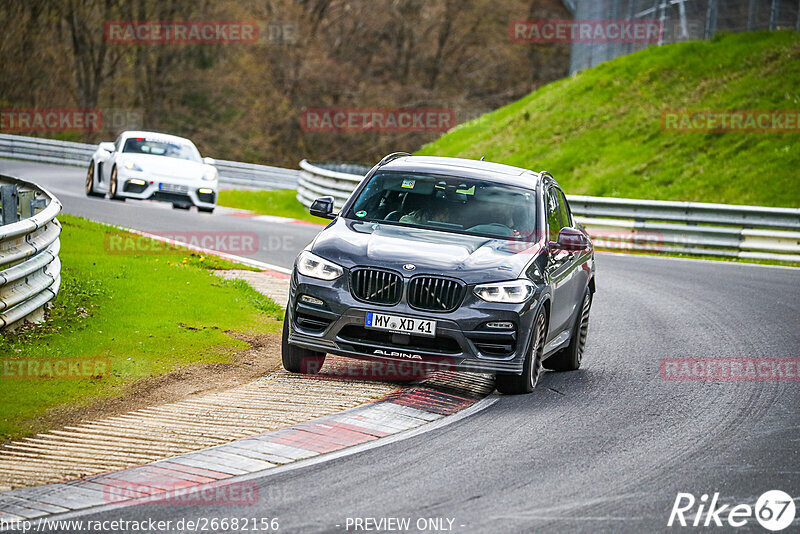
681, 20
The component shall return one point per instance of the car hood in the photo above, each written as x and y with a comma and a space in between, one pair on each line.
165, 166
470, 258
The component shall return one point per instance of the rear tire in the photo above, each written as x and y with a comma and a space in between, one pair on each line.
513, 384
90, 192
113, 186
569, 358
297, 359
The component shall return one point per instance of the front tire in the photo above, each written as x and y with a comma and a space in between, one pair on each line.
569, 358
89, 187
205, 210
113, 186
513, 384
297, 359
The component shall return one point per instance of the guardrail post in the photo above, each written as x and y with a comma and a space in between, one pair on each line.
24, 203
9, 203
37, 204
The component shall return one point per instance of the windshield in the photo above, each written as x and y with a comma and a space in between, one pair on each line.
447, 203
140, 145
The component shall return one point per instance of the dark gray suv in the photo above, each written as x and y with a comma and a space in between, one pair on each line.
445, 262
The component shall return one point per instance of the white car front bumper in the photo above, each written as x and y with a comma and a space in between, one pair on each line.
142, 185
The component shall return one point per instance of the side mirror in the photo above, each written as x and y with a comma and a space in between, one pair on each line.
322, 207
108, 147
209, 161
573, 240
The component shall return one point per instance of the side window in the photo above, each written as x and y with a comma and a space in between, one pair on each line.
553, 218
118, 143
563, 207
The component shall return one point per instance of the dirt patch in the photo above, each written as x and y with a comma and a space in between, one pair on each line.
262, 357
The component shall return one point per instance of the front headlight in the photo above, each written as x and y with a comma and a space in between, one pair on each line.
512, 292
132, 166
211, 174
309, 264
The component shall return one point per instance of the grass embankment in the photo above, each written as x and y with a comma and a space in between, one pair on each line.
149, 314
281, 202
599, 133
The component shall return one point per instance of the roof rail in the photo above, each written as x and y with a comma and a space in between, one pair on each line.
390, 157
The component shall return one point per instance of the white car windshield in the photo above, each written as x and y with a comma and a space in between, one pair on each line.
141, 145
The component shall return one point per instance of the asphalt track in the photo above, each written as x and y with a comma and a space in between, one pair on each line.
278, 243
603, 449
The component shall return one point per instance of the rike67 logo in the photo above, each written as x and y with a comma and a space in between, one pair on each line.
774, 510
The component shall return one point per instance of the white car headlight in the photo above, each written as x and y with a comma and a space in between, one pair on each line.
132, 166
512, 292
211, 174
309, 264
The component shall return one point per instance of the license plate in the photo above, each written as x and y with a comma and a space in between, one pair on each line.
400, 325
172, 188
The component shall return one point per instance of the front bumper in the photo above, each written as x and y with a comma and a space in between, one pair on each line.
144, 186
462, 341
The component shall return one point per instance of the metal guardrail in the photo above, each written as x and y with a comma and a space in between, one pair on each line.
256, 176
724, 230
78, 154
336, 180
30, 270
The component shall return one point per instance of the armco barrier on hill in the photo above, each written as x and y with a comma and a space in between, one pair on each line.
751, 232
723, 230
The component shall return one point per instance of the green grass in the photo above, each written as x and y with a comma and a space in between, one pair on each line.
281, 202
149, 314
599, 132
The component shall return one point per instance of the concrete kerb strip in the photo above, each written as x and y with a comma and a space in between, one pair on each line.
433, 401
407, 410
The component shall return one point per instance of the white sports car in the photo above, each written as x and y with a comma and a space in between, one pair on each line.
149, 165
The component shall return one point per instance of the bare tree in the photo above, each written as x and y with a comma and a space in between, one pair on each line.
93, 62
